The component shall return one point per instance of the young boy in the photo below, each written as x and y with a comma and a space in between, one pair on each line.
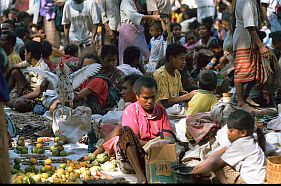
177, 34
168, 77
205, 99
158, 45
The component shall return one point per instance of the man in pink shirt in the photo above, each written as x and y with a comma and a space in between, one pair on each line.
141, 122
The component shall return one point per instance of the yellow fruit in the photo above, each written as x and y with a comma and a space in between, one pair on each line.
39, 145
56, 144
52, 148
45, 175
49, 167
48, 161
21, 138
62, 165
32, 161
40, 140
60, 171
17, 160
56, 139
69, 169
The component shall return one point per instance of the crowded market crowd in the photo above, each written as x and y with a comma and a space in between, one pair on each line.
214, 64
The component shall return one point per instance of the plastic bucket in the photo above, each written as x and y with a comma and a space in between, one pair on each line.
182, 174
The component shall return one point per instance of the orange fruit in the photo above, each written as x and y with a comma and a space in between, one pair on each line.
49, 167
60, 171
40, 140
48, 161
39, 145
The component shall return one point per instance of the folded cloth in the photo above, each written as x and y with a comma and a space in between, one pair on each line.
200, 127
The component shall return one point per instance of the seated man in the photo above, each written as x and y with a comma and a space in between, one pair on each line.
170, 90
32, 85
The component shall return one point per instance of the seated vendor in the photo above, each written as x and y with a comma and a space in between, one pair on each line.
126, 140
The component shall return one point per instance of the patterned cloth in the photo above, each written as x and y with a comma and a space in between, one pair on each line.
127, 138
244, 67
116, 77
232, 176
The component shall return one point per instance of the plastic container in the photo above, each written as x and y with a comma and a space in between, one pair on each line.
182, 174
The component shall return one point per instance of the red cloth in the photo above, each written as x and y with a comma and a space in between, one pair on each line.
99, 88
72, 62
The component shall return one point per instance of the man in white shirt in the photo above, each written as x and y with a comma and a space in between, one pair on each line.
205, 8
110, 14
80, 20
269, 15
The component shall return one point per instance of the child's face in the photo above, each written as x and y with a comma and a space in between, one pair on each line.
179, 61
127, 93
147, 98
109, 61
154, 31
234, 134
203, 31
225, 25
191, 39
177, 32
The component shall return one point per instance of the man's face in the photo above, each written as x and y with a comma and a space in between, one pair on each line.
109, 61
127, 93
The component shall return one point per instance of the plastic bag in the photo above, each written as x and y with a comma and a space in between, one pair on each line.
74, 126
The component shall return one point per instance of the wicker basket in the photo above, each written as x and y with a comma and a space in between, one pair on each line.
273, 169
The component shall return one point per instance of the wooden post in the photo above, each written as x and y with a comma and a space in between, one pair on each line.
4, 149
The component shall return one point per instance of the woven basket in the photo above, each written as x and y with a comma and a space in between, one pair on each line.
273, 169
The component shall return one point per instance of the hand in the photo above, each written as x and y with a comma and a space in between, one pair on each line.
53, 106
156, 17
264, 51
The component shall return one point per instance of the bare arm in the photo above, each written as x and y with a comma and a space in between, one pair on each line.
83, 93
212, 163
262, 48
66, 33
33, 94
174, 100
264, 14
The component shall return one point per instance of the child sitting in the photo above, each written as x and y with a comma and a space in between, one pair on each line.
158, 44
205, 99
243, 161
191, 40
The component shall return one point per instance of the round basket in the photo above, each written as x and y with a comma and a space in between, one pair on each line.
273, 169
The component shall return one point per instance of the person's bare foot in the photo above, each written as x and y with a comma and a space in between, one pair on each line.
252, 102
141, 179
247, 108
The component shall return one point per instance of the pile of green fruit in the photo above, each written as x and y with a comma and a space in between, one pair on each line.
21, 148
101, 162
57, 149
39, 148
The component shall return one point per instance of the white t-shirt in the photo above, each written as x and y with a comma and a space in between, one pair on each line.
163, 6
34, 78
81, 18
110, 11
158, 48
246, 157
129, 13
128, 70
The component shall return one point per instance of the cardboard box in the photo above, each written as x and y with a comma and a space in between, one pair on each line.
159, 163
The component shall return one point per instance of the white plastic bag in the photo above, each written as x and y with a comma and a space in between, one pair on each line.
74, 126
